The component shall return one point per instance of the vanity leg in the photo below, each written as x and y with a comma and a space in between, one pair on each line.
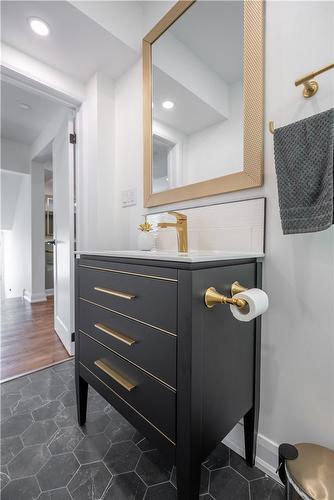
188, 478
82, 392
250, 434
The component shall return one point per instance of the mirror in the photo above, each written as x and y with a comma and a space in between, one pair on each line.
203, 101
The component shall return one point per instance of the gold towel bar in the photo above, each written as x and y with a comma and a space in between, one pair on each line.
310, 87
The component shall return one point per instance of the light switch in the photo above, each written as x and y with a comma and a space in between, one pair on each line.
129, 197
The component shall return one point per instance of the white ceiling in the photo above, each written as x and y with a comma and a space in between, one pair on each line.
77, 45
213, 30
190, 114
24, 125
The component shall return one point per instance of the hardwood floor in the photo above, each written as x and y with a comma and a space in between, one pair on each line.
28, 339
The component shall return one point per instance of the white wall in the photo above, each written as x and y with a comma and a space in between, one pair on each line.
297, 400
37, 289
15, 156
96, 164
16, 239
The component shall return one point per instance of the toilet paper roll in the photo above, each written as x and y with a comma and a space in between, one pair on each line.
257, 303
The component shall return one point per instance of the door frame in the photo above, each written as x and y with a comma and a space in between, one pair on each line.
34, 85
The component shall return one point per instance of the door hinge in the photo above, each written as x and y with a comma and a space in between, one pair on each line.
73, 337
73, 138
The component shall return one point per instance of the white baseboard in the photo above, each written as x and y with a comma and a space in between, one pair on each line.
266, 451
34, 297
49, 292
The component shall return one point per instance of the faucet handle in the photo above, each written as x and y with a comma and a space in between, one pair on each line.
179, 217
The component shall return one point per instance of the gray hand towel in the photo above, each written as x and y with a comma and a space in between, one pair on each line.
304, 168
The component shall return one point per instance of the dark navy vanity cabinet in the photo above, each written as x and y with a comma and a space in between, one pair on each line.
181, 373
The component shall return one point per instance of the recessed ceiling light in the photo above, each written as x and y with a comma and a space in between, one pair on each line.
24, 106
39, 26
168, 104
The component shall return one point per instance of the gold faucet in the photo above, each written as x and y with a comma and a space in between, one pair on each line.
181, 227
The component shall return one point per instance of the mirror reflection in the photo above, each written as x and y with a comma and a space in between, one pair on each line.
197, 96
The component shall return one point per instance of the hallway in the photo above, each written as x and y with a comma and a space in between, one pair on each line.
28, 340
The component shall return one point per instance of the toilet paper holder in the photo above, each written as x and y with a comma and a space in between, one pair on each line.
212, 297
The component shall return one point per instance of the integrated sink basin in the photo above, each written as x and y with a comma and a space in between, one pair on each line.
173, 255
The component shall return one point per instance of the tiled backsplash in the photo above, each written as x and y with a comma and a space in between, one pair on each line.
236, 226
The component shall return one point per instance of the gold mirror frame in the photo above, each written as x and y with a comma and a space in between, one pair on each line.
252, 174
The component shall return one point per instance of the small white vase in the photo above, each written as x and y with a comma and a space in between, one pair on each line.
145, 240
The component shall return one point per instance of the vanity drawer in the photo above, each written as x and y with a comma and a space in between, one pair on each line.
150, 398
148, 348
150, 299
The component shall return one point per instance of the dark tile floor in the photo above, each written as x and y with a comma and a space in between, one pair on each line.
46, 456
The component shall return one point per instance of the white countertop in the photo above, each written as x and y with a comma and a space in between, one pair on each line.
172, 255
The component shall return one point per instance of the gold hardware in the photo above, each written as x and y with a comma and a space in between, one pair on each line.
129, 317
115, 293
126, 402
181, 226
170, 387
311, 86
212, 298
129, 386
117, 335
237, 288
271, 127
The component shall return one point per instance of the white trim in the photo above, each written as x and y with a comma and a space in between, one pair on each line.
34, 297
266, 452
40, 78
49, 292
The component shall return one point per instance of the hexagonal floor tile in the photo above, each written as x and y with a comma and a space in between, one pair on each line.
92, 448
21, 489
61, 494
10, 447
14, 385
226, 484
266, 489
220, 457
153, 468
68, 398
122, 457
165, 491
57, 472
239, 464
119, 429
126, 486
39, 432
96, 422
28, 461
27, 405
67, 417
15, 425
48, 410
9, 400
65, 440
89, 482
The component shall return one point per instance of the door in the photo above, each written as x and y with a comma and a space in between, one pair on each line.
63, 156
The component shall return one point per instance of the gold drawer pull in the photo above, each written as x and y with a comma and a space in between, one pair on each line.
115, 293
129, 386
117, 335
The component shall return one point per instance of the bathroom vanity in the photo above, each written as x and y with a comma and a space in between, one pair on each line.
183, 374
